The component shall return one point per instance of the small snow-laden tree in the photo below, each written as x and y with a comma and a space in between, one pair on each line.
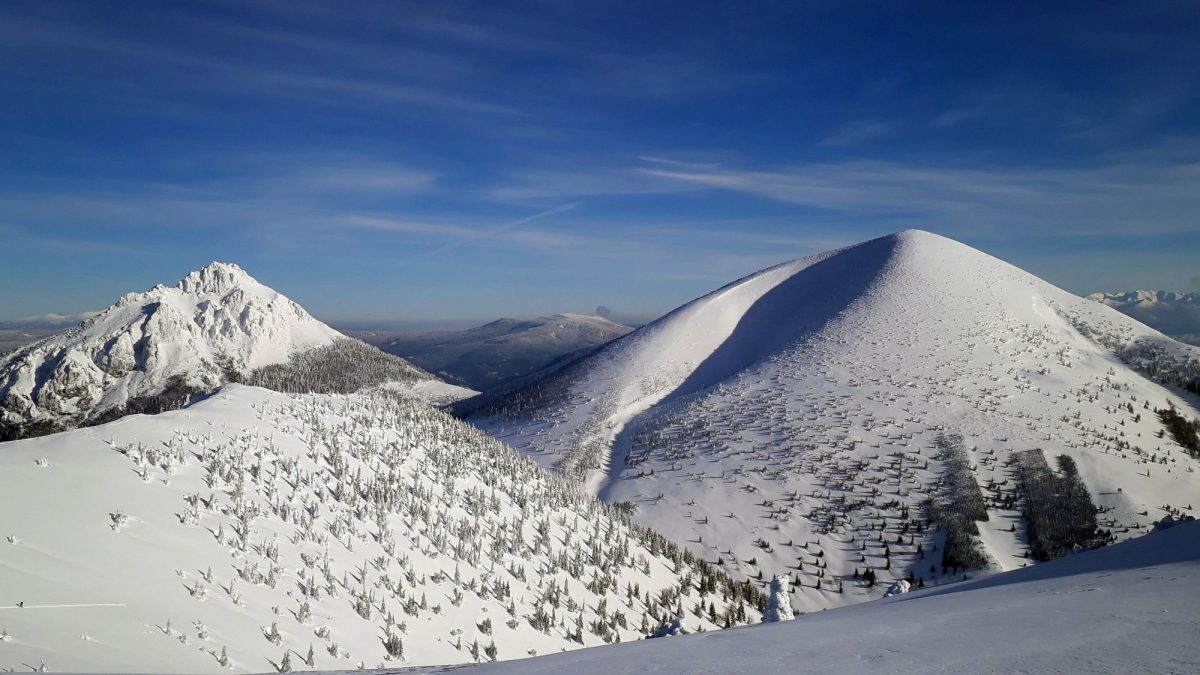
779, 605
671, 628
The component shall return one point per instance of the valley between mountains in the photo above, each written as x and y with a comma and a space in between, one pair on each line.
206, 478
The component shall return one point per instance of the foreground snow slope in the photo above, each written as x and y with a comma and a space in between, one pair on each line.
788, 422
1129, 608
363, 529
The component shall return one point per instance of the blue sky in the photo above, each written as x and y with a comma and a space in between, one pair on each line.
449, 161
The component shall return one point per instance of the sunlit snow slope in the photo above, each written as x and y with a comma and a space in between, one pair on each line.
1129, 608
330, 531
789, 422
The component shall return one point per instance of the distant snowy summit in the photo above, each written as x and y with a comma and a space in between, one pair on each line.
152, 350
1125, 298
1176, 314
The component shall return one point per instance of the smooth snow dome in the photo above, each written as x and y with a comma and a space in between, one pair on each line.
789, 423
1129, 608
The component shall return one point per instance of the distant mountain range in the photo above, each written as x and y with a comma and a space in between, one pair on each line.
1176, 314
495, 353
18, 332
50, 322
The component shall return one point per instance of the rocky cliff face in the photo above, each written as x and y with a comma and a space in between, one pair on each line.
216, 323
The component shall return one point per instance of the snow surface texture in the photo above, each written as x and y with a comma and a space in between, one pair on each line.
254, 527
788, 422
216, 323
495, 353
1129, 608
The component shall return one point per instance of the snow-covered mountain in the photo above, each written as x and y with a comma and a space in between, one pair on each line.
152, 350
256, 530
1129, 608
1176, 314
801, 420
490, 355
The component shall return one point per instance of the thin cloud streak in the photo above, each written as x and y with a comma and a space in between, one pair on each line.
1120, 197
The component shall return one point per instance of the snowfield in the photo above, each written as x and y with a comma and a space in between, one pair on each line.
796, 421
1128, 608
256, 530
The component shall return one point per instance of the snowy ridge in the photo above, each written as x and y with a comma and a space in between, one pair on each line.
1145, 298
256, 530
789, 423
216, 324
1124, 609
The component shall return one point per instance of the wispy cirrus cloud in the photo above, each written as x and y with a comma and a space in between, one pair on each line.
451, 235
859, 132
423, 80
1117, 197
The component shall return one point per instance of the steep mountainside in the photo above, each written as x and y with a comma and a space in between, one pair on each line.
152, 350
1176, 314
802, 420
256, 530
1125, 609
490, 355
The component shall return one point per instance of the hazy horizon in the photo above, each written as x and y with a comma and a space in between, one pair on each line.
384, 322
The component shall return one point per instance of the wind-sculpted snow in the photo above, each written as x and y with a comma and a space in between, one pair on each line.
151, 350
256, 530
789, 423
